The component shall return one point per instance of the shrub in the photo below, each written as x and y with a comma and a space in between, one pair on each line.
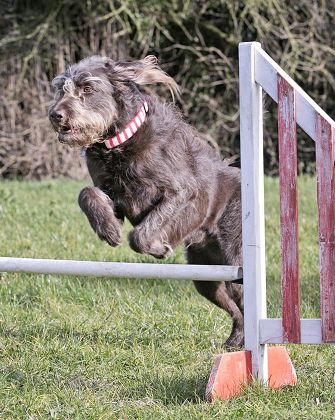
195, 41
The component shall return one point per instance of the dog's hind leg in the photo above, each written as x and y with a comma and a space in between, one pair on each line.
225, 295
99, 210
217, 293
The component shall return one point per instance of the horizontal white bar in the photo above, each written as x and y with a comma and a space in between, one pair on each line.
116, 269
271, 331
266, 71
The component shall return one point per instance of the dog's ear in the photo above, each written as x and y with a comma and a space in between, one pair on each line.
144, 72
58, 82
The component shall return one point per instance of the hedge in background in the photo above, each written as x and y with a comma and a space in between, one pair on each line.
195, 41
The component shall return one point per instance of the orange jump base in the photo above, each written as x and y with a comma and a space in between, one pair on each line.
232, 372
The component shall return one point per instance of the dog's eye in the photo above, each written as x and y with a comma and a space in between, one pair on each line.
87, 89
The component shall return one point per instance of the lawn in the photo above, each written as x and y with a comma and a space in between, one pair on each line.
93, 348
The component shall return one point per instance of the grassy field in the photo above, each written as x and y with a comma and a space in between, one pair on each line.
91, 348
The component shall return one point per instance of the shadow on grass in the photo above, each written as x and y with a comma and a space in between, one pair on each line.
172, 390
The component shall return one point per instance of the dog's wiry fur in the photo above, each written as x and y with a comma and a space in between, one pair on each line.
165, 180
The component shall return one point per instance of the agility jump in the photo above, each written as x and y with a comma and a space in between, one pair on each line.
272, 366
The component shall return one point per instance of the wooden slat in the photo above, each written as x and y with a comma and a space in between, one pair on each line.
326, 214
288, 212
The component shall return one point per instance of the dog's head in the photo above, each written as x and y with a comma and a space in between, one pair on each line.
98, 95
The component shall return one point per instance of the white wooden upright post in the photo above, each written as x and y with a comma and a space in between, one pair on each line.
254, 273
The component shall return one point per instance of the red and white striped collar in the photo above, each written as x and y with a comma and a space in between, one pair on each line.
129, 130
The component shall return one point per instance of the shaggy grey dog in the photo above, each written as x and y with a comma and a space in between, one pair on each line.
149, 166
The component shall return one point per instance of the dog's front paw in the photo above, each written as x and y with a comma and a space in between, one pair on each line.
98, 208
160, 250
139, 243
109, 232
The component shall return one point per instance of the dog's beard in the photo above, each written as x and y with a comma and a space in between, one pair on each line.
84, 131
80, 138
82, 126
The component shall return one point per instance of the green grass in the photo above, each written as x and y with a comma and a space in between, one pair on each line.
91, 348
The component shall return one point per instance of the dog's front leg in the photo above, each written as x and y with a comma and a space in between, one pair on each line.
99, 210
167, 225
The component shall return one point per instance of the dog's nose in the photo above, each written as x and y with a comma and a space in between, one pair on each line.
57, 116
